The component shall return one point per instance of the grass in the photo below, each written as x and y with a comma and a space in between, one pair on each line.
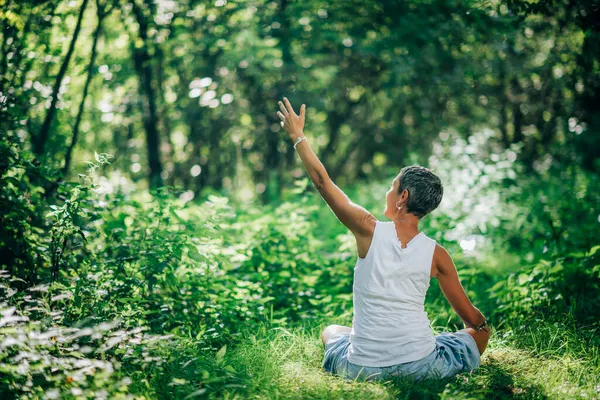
278, 363
540, 358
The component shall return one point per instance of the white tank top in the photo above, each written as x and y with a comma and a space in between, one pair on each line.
390, 325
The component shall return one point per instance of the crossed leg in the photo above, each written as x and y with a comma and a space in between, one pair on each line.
333, 329
481, 337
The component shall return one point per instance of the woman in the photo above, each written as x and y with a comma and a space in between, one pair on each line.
390, 333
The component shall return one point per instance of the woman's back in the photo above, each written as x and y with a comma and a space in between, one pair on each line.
390, 324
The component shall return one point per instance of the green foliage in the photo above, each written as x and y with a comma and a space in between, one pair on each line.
285, 257
22, 207
381, 81
152, 294
194, 290
43, 356
68, 219
552, 288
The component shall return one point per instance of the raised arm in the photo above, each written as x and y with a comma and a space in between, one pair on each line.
447, 277
354, 217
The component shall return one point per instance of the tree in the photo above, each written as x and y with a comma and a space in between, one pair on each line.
40, 142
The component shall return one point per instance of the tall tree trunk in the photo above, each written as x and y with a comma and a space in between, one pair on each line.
516, 111
7, 32
164, 112
334, 123
549, 128
90, 74
184, 105
40, 143
257, 94
18, 44
504, 122
503, 102
43, 31
273, 157
19, 50
141, 58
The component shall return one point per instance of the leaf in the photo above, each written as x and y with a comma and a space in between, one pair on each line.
171, 279
193, 252
195, 393
497, 286
221, 354
594, 249
97, 157
174, 213
230, 369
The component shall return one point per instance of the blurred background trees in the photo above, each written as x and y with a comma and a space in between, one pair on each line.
144, 176
185, 93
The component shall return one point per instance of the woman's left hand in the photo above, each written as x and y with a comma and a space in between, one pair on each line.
292, 123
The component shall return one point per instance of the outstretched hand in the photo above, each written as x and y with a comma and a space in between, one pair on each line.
292, 123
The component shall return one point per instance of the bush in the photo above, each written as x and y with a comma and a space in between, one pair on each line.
551, 289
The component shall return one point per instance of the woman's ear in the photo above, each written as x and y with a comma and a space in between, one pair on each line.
404, 194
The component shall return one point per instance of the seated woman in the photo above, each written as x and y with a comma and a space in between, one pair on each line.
390, 333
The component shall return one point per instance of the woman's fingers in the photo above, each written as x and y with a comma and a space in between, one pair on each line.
283, 110
289, 106
286, 113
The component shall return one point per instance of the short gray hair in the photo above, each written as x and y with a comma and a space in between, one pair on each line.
425, 190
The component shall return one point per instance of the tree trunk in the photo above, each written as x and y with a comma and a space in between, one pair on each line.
516, 111
40, 143
90, 74
334, 123
141, 59
164, 113
273, 157
18, 45
6, 33
43, 33
503, 103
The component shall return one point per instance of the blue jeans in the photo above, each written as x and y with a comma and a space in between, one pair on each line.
454, 352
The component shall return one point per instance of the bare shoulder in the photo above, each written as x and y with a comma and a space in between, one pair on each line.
441, 260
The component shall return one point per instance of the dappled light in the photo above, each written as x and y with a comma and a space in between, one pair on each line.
186, 187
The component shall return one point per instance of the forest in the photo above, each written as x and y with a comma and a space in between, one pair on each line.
160, 237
